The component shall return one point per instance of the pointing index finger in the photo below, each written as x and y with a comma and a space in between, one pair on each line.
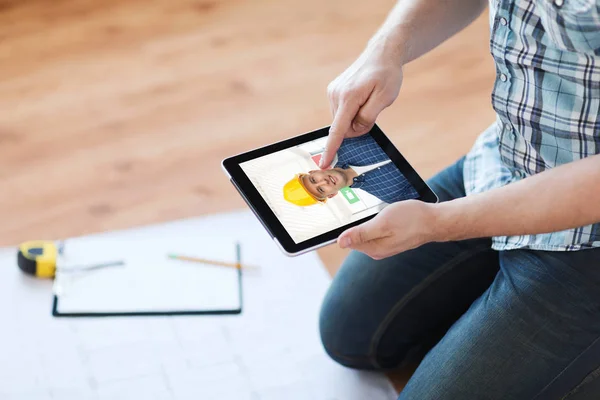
339, 128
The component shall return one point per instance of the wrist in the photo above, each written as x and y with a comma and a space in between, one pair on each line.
389, 47
445, 227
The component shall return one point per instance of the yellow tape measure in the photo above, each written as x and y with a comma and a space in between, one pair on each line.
38, 258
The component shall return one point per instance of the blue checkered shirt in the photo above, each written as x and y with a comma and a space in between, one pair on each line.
386, 183
547, 101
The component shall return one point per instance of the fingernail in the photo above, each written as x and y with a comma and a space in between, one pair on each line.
346, 242
322, 162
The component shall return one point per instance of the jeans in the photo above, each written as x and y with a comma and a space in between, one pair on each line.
483, 324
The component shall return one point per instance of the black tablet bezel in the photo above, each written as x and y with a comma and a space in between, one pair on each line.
268, 218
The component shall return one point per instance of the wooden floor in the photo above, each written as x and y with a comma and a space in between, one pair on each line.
115, 114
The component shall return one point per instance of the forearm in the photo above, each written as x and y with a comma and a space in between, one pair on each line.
561, 198
415, 27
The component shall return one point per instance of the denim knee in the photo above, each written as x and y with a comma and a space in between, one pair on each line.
344, 335
343, 346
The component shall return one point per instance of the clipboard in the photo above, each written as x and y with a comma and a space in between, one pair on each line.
146, 283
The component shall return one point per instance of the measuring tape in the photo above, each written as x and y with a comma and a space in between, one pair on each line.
38, 258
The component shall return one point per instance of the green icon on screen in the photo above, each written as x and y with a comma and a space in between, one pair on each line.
349, 195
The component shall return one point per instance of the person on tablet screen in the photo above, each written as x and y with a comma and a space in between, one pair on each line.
360, 163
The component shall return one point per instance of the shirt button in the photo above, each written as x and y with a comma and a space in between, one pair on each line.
503, 77
559, 3
504, 22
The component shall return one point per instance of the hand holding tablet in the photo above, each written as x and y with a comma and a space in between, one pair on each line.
399, 227
304, 207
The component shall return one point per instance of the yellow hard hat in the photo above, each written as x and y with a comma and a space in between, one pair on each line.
295, 193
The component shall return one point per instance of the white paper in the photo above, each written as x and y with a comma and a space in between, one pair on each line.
148, 281
271, 351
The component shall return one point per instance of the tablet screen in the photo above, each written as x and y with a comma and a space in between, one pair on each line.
309, 201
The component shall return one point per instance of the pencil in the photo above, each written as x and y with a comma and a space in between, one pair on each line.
210, 262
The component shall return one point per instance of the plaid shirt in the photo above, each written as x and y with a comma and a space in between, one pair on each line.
386, 183
547, 100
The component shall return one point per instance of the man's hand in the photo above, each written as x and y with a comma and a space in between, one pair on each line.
372, 83
564, 197
359, 94
398, 227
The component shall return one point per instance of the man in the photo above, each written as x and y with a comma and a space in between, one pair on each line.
361, 164
496, 289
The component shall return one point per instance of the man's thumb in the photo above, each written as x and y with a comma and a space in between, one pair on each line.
356, 236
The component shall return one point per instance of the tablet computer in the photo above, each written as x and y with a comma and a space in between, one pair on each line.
304, 207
